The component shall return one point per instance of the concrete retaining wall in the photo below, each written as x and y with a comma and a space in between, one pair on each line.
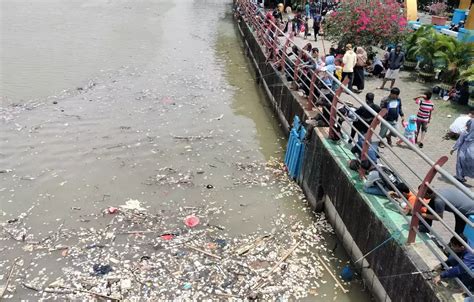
323, 179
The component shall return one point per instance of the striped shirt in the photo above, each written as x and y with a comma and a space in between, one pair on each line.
424, 112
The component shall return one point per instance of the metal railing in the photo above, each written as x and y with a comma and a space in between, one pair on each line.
298, 67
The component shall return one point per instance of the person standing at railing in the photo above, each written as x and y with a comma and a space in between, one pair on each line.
310, 65
465, 148
349, 60
393, 104
364, 116
329, 68
290, 61
460, 201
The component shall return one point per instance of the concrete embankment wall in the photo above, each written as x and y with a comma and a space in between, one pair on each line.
326, 182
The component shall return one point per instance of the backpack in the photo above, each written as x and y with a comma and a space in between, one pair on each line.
317, 18
391, 177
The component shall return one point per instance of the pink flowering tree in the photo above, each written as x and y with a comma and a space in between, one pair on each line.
366, 22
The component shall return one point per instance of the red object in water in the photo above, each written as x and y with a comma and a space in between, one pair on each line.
167, 236
112, 210
191, 221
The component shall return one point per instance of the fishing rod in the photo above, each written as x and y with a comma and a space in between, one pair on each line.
410, 274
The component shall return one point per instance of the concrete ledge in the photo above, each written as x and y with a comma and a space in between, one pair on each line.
365, 226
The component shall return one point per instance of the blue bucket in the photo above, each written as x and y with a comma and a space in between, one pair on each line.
469, 231
347, 274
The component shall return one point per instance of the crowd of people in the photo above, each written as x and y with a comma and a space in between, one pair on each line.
350, 65
354, 64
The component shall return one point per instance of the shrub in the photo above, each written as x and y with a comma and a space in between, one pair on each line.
366, 23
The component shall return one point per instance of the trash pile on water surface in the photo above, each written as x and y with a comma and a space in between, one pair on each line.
139, 254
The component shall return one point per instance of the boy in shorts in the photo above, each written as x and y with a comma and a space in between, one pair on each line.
423, 117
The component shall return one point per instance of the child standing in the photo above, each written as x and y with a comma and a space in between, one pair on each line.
337, 73
424, 116
410, 130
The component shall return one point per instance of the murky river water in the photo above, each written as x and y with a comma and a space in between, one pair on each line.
100, 97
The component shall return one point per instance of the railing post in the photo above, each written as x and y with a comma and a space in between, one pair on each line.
368, 139
421, 194
309, 105
283, 55
262, 29
297, 64
266, 35
275, 43
333, 113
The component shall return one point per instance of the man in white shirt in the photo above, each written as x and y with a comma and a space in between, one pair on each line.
459, 125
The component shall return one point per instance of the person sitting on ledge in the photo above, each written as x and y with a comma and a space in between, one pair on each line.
377, 184
410, 197
459, 93
372, 153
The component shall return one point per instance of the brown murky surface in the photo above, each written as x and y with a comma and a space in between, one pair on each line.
109, 101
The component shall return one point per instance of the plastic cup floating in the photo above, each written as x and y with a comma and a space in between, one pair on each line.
191, 221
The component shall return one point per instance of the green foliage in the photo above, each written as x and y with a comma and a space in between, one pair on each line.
411, 39
467, 74
451, 57
439, 52
424, 48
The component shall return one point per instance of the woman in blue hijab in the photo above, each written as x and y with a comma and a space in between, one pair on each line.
465, 148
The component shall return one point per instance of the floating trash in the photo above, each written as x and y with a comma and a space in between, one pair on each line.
191, 221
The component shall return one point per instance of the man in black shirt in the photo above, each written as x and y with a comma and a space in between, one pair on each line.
363, 115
